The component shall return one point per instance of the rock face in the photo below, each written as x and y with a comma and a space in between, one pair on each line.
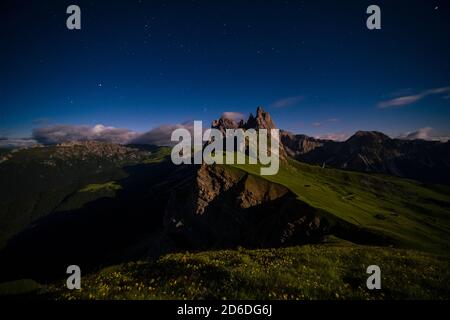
262, 120
372, 151
223, 207
223, 124
299, 144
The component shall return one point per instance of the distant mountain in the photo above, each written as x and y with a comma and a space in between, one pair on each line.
299, 144
372, 151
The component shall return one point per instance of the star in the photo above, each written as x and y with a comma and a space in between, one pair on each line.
99, 84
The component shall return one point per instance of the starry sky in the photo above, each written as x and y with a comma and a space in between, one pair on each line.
144, 64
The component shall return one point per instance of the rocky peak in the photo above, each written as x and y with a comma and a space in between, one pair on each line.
371, 134
368, 138
225, 123
262, 120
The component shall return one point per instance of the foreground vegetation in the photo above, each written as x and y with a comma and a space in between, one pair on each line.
331, 271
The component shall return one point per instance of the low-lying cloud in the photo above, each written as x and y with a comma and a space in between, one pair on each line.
426, 133
8, 142
235, 116
56, 134
339, 136
62, 133
161, 135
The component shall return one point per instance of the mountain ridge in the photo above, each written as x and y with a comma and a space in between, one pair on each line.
373, 151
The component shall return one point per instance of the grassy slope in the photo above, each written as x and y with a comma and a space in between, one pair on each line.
332, 271
413, 215
30, 189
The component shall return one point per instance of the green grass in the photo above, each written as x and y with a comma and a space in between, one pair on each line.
96, 187
30, 188
411, 214
159, 154
19, 287
332, 271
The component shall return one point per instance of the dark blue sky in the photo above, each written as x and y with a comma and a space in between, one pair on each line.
139, 64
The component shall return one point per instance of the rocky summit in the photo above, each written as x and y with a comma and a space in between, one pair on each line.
262, 120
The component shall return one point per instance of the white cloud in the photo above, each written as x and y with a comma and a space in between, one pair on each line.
426, 133
63, 133
287, 102
7, 142
320, 123
235, 116
339, 136
161, 135
409, 99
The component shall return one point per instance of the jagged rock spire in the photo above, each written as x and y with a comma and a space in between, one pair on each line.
261, 121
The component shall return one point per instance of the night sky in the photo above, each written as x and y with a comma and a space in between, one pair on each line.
141, 64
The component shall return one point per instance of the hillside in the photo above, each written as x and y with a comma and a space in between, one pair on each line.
42, 180
333, 271
402, 212
109, 205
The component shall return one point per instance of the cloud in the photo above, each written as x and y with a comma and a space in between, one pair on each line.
409, 99
287, 102
426, 133
7, 142
319, 124
161, 135
40, 121
235, 116
340, 136
62, 133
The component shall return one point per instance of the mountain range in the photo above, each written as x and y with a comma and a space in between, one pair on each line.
101, 204
372, 151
